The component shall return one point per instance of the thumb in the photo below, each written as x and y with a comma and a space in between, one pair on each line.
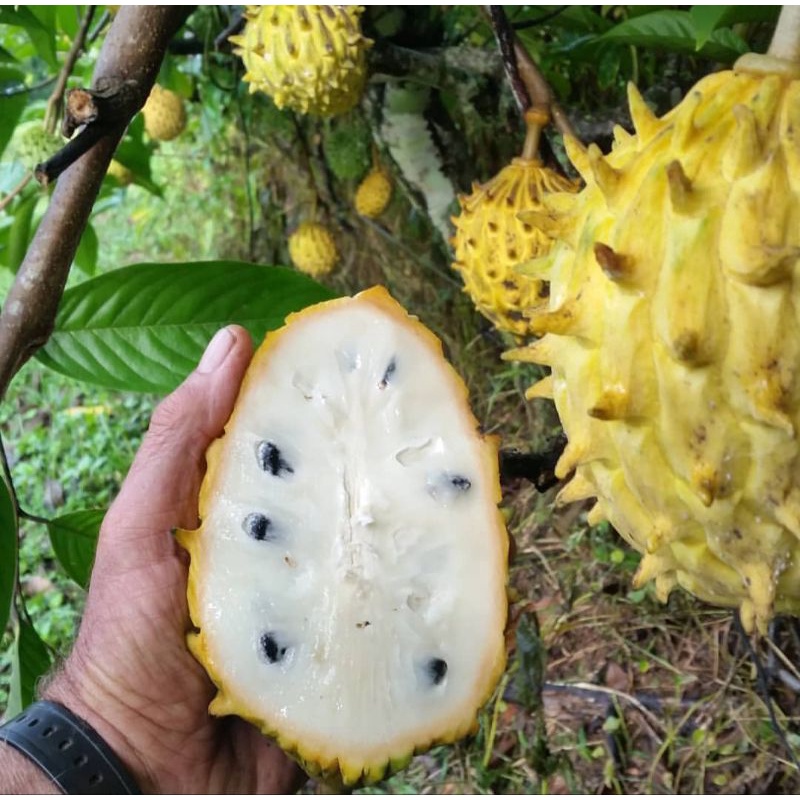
160, 491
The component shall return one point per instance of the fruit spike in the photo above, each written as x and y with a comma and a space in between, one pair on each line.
645, 122
605, 176
563, 320
543, 389
612, 404
681, 197
616, 267
683, 130
744, 152
578, 489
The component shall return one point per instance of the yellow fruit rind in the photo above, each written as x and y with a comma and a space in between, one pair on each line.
164, 114
308, 58
491, 241
373, 194
318, 758
313, 250
673, 338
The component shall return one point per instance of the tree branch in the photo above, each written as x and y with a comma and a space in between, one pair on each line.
56, 98
131, 56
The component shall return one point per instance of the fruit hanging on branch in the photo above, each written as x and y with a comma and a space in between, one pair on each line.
373, 193
308, 58
348, 579
491, 241
164, 114
673, 336
313, 249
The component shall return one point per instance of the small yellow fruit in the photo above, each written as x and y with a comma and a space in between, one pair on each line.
309, 58
164, 114
490, 242
120, 173
312, 249
373, 194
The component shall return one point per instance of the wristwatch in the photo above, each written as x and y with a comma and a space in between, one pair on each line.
68, 749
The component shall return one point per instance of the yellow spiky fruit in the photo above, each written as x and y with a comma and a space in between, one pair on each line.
347, 584
673, 335
164, 114
120, 173
490, 241
312, 249
308, 58
373, 194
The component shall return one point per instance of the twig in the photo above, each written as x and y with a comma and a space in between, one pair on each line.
527, 82
99, 113
15, 191
506, 39
55, 100
131, 54
762, 683
28, 89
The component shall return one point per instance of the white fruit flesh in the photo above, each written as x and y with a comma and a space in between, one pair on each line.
364, 618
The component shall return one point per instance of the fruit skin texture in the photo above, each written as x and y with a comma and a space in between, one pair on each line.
674, 339
490, 242
309, 58
164, 114
122, 174
373, 194
312, 249
318, 752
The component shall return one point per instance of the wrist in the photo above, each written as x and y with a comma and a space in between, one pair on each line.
115, 725
19, 775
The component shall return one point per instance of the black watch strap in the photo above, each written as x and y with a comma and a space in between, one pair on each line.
68, 749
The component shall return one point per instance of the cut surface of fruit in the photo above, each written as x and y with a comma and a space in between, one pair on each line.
348, 578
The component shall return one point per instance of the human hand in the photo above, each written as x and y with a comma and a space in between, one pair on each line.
130, 674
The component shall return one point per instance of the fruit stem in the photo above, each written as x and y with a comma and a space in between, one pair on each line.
536, 118
785, 42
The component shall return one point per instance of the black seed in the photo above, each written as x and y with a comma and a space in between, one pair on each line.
437, 669
446, 487
271, 649
387, 375
270, 459
258, 527
461, 483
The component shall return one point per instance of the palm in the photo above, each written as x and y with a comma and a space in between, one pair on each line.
130, 662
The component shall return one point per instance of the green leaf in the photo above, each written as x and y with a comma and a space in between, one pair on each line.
86, 254
134, 154
42, 37
11, 106
30, 659
9, 543
144, 327
674, 31
74, 540
20, 234
706, 19
7, 57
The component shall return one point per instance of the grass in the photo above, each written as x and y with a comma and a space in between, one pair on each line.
607, 690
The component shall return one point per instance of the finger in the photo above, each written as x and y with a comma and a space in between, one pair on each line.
160, 491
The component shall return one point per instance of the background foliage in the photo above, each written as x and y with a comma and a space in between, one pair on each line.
606, 690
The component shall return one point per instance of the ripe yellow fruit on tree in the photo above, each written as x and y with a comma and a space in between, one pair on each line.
312, 249
308, 58
673, 334
164, 114
373, 194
